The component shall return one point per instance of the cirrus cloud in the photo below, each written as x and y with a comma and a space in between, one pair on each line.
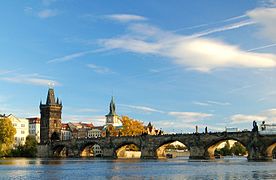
125, 17
192, 52
46, 13
190, 116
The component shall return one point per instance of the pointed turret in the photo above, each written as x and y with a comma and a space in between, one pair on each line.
112, 108
51, 97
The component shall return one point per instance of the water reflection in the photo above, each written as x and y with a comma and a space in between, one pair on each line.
178, 168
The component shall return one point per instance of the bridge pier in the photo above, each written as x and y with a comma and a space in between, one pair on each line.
197, 152
258, 149
258, 154
148, 153
108, 152
44, 151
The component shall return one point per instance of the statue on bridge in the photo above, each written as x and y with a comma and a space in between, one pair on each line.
255, 127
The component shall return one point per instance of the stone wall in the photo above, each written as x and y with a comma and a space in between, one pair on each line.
43, 151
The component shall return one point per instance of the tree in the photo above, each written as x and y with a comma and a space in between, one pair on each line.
7, 132
238, 149
226, 150
131, 127
30, 147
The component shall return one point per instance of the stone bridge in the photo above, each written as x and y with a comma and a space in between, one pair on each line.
200, 145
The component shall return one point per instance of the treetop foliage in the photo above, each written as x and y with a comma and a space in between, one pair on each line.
7, 132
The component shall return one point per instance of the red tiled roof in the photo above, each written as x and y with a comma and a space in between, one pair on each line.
34, 120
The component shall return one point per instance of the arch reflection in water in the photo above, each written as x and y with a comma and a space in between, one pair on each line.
172, 149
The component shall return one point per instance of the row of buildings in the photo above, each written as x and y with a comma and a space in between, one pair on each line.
49, 126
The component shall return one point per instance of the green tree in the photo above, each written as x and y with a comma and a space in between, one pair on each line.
226, 150
30, 147
238, 149
7, 132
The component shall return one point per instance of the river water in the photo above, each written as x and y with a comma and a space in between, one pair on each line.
177, 168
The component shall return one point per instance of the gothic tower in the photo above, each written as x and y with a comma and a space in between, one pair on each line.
50, 118
112, 118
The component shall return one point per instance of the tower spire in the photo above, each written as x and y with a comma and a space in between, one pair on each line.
112, 108
51, 97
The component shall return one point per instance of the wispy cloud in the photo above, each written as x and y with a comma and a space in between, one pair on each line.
210, 103
268, 3
99, 69
28, 10
262, 47
243, 118
234, 18
266, 18
201, 103
213, 23
268, 115
46, 13
125, 17
48, 2
73, 56
268, 96
190, 116
95, 120
78, 110
224, 28
32, 79
141, 108
238, 89
198, 53
2, 72
219, 103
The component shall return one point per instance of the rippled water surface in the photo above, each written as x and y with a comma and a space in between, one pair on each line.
178, 168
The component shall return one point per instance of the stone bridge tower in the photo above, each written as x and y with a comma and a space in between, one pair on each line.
50, 118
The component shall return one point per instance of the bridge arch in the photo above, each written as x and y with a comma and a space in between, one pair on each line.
269, 150
211, 147
61, 151
91, 149
160, 150
123, 150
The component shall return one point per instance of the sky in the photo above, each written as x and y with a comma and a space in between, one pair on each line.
174, 63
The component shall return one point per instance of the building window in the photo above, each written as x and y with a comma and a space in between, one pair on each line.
22, 125
22, 138
22, 132
14, 124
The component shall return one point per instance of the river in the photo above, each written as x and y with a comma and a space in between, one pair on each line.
177, 168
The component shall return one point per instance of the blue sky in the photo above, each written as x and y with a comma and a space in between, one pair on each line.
175, 63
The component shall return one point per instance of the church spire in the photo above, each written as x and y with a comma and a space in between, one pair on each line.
112, 108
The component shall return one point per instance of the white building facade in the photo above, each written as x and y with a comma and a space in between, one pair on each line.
94, 133
22, 129
34, 128
66, 133
97, 151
